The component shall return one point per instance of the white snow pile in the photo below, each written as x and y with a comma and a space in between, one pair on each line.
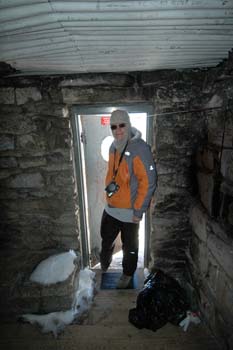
56, 268
55, 322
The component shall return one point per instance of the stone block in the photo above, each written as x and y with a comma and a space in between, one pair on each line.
227, 164
33, 180
65, 219
167, 227
216, 300
107, 79
215, 101
170, 266
176, 179
199, 254
53, 140
35, 298
7, 96
11, 110
220, 129
24, 95
54, 94
222, 252
104, 95
40, 237
212, 273
168, 100
226, 204
16, 125
46, 108
34, 226
171, 202
166, 137
219, 231
60, 179
205, 158
30, 143
160, 77
206, 190
8, 162
58, 157
199, 220
31, 162
56, 167
213, 318
230, 214
224, 296
215, 137
67, 242
6, 173
7, 143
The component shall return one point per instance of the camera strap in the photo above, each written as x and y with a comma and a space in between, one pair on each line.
121, 157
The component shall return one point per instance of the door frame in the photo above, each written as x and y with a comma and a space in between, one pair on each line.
137, 107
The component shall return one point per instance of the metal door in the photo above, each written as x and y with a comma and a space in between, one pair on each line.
95, 134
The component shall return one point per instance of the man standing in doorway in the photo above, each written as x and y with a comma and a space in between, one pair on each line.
130, 184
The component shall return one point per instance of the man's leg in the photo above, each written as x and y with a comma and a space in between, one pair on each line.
129, 237
109, 230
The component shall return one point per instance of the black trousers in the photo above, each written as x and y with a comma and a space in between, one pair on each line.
109, 230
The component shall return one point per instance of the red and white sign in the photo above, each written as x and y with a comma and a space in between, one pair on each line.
105, 120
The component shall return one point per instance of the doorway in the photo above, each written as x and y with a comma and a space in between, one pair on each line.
92, 138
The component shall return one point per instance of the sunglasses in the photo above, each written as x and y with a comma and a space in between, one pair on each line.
114, 127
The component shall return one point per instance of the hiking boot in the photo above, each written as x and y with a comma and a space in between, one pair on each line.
124, 282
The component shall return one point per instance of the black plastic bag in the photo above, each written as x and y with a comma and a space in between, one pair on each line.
161, 300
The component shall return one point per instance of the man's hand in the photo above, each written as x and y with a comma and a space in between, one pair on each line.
136, 220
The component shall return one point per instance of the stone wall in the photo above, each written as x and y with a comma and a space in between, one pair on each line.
212, 214
37, 181
179, 126
37, 199
37, 195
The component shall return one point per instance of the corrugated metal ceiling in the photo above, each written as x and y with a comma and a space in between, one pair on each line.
49, 37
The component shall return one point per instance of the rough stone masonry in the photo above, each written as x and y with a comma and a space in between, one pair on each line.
191, 219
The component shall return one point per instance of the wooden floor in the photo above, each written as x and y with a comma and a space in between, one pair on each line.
107, 328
